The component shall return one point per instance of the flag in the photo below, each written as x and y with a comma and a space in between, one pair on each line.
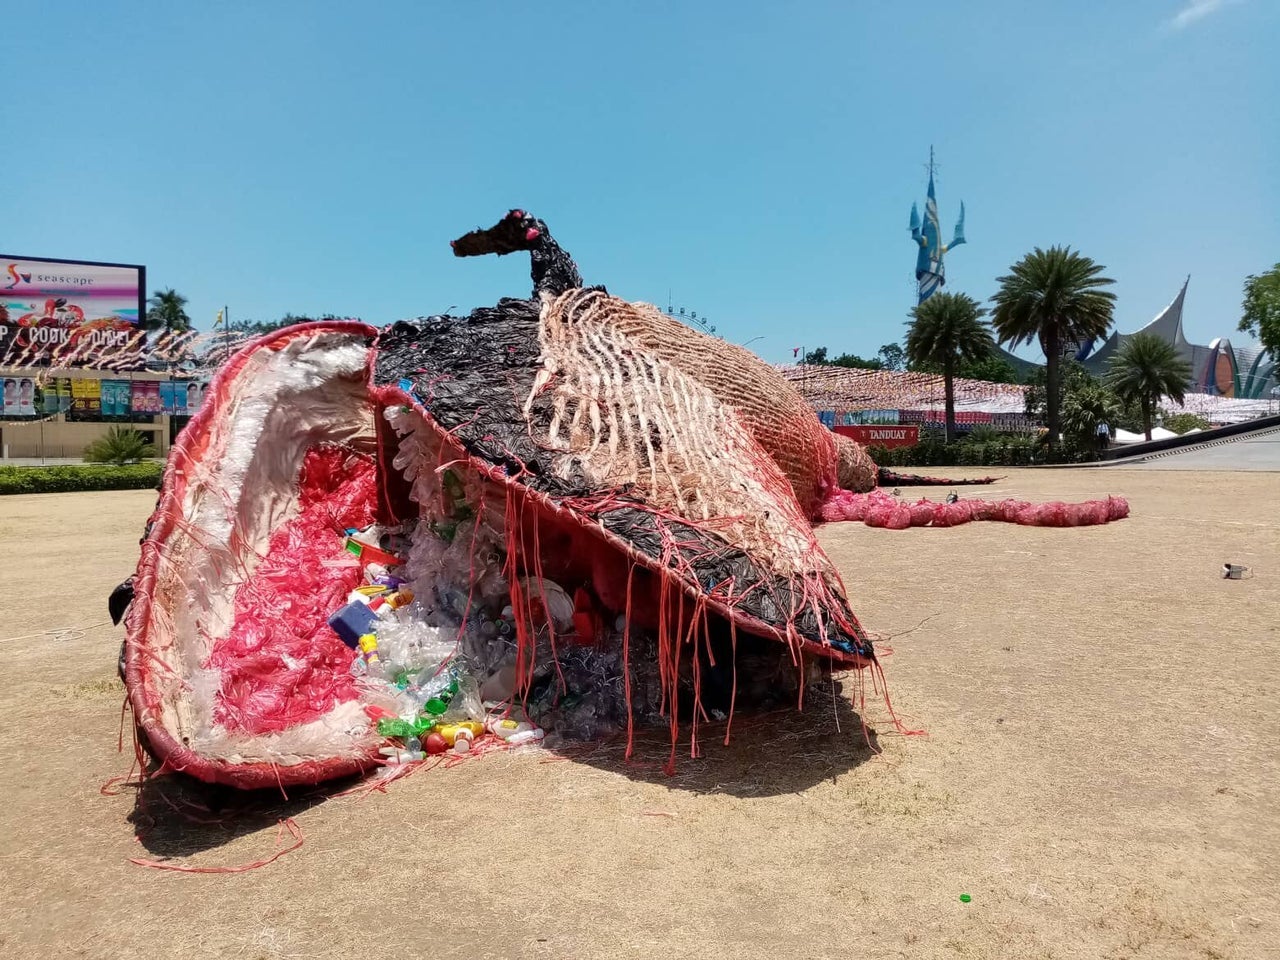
218, 322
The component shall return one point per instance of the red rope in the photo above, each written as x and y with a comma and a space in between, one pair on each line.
287, 824
626, 664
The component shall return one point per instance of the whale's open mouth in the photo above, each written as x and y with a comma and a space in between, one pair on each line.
564, 532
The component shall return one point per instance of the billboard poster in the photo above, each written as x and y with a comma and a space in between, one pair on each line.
108, 397
882, 436
64, 393
51, 401
166, 397
145, 397
86, 397
120, 398
71, 313
19, 397
138, 400
194, 397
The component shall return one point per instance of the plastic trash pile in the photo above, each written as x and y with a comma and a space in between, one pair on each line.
409, 660
434, 651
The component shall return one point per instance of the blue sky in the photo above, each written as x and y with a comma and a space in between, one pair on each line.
757, 160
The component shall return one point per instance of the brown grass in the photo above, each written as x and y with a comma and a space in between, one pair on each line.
1101, 774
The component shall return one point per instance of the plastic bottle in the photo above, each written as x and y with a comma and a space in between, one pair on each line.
400, 755
468, 729
438, 693
514, 731
395, 727
400, 598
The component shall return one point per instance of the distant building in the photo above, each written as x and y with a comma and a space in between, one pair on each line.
1218, 369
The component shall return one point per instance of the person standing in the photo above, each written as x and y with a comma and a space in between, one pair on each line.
1104, 435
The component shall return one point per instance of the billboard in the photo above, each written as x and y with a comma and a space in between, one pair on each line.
115, 398
71, 313
19, 397
53, 399
193, 397
146, 397
86, 397
882, 436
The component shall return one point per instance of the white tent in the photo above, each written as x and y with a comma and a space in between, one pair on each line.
1157, 433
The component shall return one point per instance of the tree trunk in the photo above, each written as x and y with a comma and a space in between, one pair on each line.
949, 392
1146, 416
1052, 349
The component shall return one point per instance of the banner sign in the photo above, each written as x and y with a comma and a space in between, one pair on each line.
177, 396
885, 436
853, 418
146, 397
52, 401
86, 397
19, 397
194, 397
69, 313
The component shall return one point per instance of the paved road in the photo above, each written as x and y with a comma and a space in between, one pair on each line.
1259, 451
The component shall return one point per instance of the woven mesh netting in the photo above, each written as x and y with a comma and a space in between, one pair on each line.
572, 408
582, 512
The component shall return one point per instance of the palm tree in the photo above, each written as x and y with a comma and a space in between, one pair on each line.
1053, 296
1145, 369
166, 311
119, 445
947, 330
1084, 409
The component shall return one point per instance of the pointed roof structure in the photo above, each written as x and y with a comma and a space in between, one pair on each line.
1217, 368
1167, 325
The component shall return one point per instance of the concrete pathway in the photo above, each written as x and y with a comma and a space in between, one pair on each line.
1257, 451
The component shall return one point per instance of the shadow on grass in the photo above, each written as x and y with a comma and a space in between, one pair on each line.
771, 753
774, 752
177, 816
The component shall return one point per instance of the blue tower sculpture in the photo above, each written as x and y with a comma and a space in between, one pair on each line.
930, 272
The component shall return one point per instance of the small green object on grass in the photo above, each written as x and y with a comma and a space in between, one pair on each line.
965, 898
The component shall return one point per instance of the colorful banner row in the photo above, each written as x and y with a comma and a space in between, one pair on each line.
101, 398
965, 420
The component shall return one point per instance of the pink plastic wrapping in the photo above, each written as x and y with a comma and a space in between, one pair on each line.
281, 663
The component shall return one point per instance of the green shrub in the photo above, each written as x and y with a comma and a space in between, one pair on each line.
1004, 451
137, 476
983, 433
120, 445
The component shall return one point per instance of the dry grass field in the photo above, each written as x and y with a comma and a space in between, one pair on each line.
1101, 773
